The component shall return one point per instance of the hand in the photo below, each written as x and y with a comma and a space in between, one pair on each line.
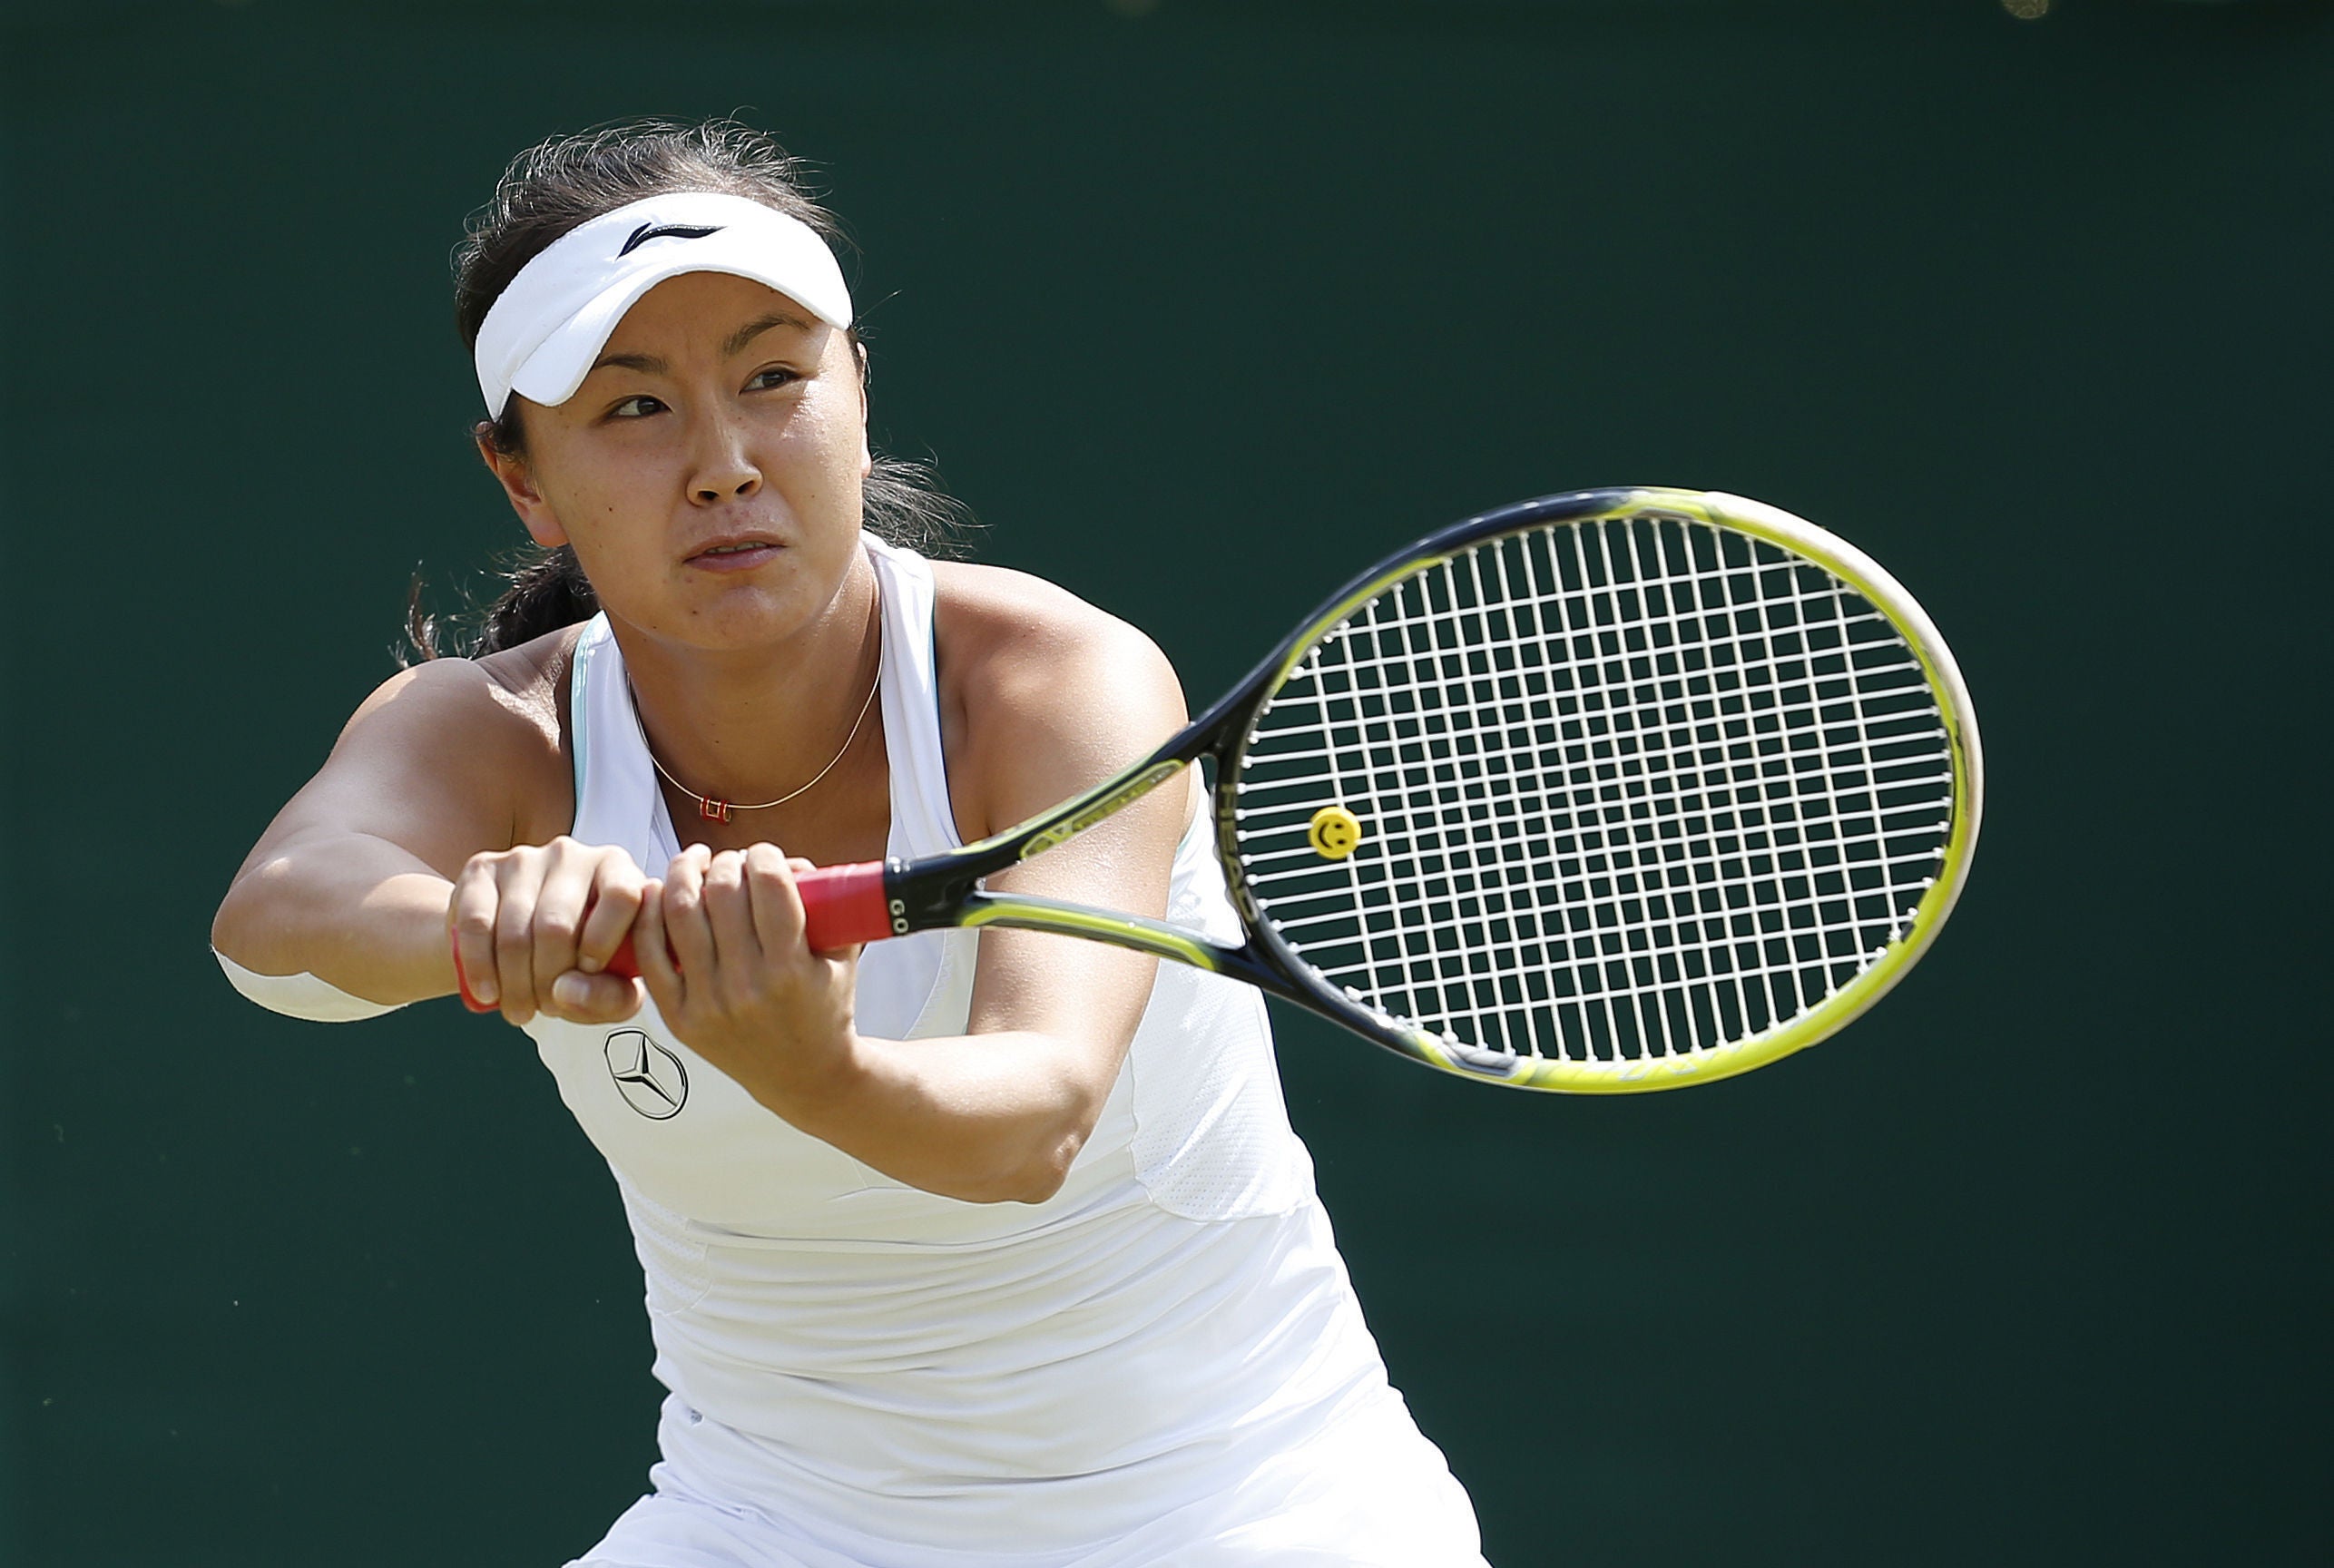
747, 994
534, 926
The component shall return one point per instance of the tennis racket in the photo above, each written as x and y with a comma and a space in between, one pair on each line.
1613, 791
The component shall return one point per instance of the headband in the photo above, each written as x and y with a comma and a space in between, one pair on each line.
545, 331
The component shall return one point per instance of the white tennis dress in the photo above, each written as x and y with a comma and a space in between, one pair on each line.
1162, 1364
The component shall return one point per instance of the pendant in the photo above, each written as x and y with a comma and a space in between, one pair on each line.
712, 810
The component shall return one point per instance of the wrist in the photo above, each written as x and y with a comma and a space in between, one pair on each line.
818, 1090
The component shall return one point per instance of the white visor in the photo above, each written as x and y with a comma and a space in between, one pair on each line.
547, 329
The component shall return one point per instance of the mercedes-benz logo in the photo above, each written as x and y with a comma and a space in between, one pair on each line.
651, 1079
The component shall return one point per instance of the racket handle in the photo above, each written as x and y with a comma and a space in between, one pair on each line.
842, 907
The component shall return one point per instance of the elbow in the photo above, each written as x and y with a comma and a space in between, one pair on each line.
997, 1138
252, 925
1045, 1173
1047, 1167
1055, 1149
1035, 1177
260, 923
230, 925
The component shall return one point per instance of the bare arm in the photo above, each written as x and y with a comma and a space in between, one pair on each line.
998, 1114
435, 780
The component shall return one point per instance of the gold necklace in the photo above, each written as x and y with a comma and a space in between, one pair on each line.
713, 810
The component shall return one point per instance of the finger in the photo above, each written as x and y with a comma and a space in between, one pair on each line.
616, 900
518, 880
685, 923
559, 908
649, 950
729, 910
842, 968
777, 904
581, 998
471, 913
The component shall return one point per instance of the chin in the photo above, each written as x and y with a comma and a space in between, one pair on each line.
732, 612
744, 616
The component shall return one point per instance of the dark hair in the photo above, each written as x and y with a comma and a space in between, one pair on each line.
550, 189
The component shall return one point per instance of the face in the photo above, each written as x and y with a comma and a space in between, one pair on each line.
708, 470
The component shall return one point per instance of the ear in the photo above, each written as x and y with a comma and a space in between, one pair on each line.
517, 480
867, 455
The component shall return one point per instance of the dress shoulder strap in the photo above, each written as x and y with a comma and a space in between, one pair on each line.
616, 797
923, 818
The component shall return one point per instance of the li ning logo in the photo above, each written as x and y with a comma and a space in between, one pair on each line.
651, 1078
648, 231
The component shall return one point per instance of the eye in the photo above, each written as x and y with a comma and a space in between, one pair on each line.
775, 376
637, 407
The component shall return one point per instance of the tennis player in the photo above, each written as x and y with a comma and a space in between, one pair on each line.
965, 1249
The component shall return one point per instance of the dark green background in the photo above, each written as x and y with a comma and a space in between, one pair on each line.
1200, 307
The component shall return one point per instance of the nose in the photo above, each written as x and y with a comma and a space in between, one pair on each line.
724, 470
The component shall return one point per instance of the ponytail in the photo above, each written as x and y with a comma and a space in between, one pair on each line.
543, 589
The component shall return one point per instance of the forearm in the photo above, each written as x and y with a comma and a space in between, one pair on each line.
357, 912
985, 1117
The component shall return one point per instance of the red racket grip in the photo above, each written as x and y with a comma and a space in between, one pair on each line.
842, 907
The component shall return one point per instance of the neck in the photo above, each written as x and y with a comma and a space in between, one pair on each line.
751, 725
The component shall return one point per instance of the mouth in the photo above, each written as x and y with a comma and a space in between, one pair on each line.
739, 552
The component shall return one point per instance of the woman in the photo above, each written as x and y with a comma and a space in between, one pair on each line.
962, 1249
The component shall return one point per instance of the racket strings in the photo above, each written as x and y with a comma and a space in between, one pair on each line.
1630, 787
1622, 861
1431, 935
1617, 986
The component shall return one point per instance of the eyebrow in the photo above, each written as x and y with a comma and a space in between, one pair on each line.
647, 363
760, 325
650, 364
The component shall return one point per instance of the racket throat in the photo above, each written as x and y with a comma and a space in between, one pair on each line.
1134, 932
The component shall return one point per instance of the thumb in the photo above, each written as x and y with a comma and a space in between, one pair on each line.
581, 998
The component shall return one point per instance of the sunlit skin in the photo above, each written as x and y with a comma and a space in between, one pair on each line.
719, 415
708, 473
720, 412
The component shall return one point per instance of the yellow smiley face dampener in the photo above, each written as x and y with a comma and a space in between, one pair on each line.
1335, 834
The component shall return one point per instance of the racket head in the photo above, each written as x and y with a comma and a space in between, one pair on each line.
1618, 790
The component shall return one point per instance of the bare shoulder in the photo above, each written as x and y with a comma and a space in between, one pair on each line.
529, 682
492, 730
1008, 636
508, 698
1041, 693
